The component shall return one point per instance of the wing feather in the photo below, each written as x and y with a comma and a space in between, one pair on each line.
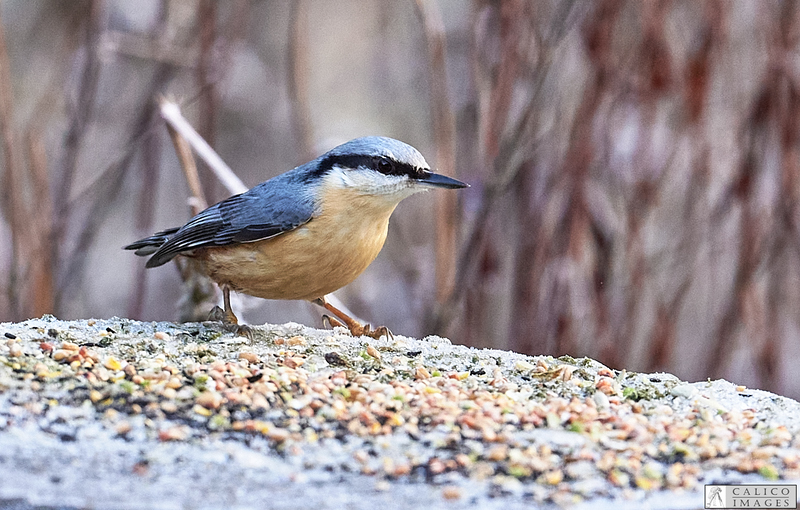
278, 205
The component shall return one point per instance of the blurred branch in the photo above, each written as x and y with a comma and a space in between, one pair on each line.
504, 148
197, 201
171, 113
444, 135
489, 86
206, 79
298, 79
13, 190
42, 270
199, 291
103, 193
149, 48
150, 165
769, 137
104, 189
79, 118
663, 335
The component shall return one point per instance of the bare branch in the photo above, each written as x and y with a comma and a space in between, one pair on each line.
42, 269
80, 116
171, 113
298, 79
444, 133
12, 180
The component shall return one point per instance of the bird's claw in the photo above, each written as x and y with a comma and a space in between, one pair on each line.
243, 330
223, 316
357, 329
216, 314
366, 330
333, 322
230, 322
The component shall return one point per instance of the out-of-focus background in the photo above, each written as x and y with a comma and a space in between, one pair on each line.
635, 165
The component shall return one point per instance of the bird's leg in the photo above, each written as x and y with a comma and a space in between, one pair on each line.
227, 317
356, 328
230, 317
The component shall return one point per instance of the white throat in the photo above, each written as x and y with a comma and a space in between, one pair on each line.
368, 182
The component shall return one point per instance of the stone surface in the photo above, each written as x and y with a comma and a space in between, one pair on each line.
119, 414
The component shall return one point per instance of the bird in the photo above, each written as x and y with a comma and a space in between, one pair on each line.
305, 233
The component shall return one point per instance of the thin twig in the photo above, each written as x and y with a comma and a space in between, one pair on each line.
198, 200
199, 292
206, 79
298, 79
171, 113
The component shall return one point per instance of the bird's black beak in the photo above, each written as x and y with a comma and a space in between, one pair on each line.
441, 181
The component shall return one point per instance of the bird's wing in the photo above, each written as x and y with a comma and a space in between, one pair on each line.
267, 210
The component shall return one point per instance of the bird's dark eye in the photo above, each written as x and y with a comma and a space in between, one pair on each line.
385, 166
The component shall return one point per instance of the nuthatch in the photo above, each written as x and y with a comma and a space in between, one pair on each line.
305, 233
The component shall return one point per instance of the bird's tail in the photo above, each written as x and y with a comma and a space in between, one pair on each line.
150, 245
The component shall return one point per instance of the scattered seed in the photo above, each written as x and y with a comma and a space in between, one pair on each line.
69, 346
123, 427
251, 358
293, 361
296, 340
497, 453
436, 466
523, 366
278, 434
372, 351
210, 400
178, 433
112, 363
451, 492
61, 355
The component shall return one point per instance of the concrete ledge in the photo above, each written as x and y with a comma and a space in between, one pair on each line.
120, 414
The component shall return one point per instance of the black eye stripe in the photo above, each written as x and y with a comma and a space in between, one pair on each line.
381, 164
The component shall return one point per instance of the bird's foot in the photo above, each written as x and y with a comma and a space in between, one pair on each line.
217, 314
357, 329
377, 333
230, 322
